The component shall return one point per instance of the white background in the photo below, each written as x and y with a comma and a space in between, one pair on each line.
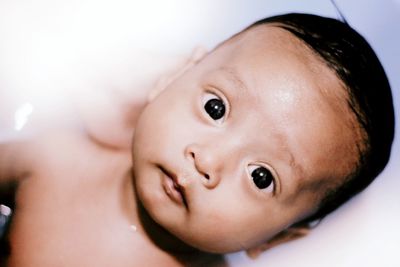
47, 47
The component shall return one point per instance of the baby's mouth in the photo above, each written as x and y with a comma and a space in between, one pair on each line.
173, 189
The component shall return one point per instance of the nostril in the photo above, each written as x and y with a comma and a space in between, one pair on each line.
207, 176
192, 154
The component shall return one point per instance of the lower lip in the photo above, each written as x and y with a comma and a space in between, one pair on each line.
170, 190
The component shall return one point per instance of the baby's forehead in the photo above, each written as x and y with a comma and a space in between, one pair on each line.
275, 36
279, 46
272, 50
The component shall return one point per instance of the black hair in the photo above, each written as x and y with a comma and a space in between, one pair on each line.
353, 60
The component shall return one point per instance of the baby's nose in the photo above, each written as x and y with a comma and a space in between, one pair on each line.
207, 163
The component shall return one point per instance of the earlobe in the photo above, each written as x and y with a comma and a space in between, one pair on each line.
292, 233
197, 54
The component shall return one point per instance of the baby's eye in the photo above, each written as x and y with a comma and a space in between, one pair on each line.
261, 176
214, 106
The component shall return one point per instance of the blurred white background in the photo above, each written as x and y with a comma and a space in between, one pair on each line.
48, 47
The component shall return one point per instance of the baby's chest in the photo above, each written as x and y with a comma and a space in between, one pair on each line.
76, 222
69, 212
55, 226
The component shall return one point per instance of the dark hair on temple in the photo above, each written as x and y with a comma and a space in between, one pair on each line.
350, 56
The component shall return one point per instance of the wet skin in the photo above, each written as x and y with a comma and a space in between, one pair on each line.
285, 112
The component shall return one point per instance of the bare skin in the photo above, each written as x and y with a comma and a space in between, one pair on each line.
75, 201
78, 203
86, 216
285, 115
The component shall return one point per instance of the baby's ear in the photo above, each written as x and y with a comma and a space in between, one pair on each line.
197, 54
286, 235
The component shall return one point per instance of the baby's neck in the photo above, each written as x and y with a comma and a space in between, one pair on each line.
165, 241
161, 237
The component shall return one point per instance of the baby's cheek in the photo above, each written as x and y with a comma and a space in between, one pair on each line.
222, 229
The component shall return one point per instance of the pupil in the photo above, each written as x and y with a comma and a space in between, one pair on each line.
262, 177
215, 108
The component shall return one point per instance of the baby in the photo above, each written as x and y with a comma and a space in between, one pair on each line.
242, 149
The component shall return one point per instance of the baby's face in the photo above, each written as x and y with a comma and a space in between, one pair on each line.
252, 136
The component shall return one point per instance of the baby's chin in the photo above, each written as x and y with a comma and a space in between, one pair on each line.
215, 246
209, 243
181, 239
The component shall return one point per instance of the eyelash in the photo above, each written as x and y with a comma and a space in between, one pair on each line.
208, 95
271, 187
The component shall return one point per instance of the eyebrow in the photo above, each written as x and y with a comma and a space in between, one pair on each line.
286, 148
293, 183
295, 165
234, 77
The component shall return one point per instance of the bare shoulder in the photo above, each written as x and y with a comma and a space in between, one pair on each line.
58, 154
15, 161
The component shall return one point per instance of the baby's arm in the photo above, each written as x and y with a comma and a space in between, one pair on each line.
13, 167
14, 162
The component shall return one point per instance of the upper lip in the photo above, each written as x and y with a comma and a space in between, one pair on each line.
177, 185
